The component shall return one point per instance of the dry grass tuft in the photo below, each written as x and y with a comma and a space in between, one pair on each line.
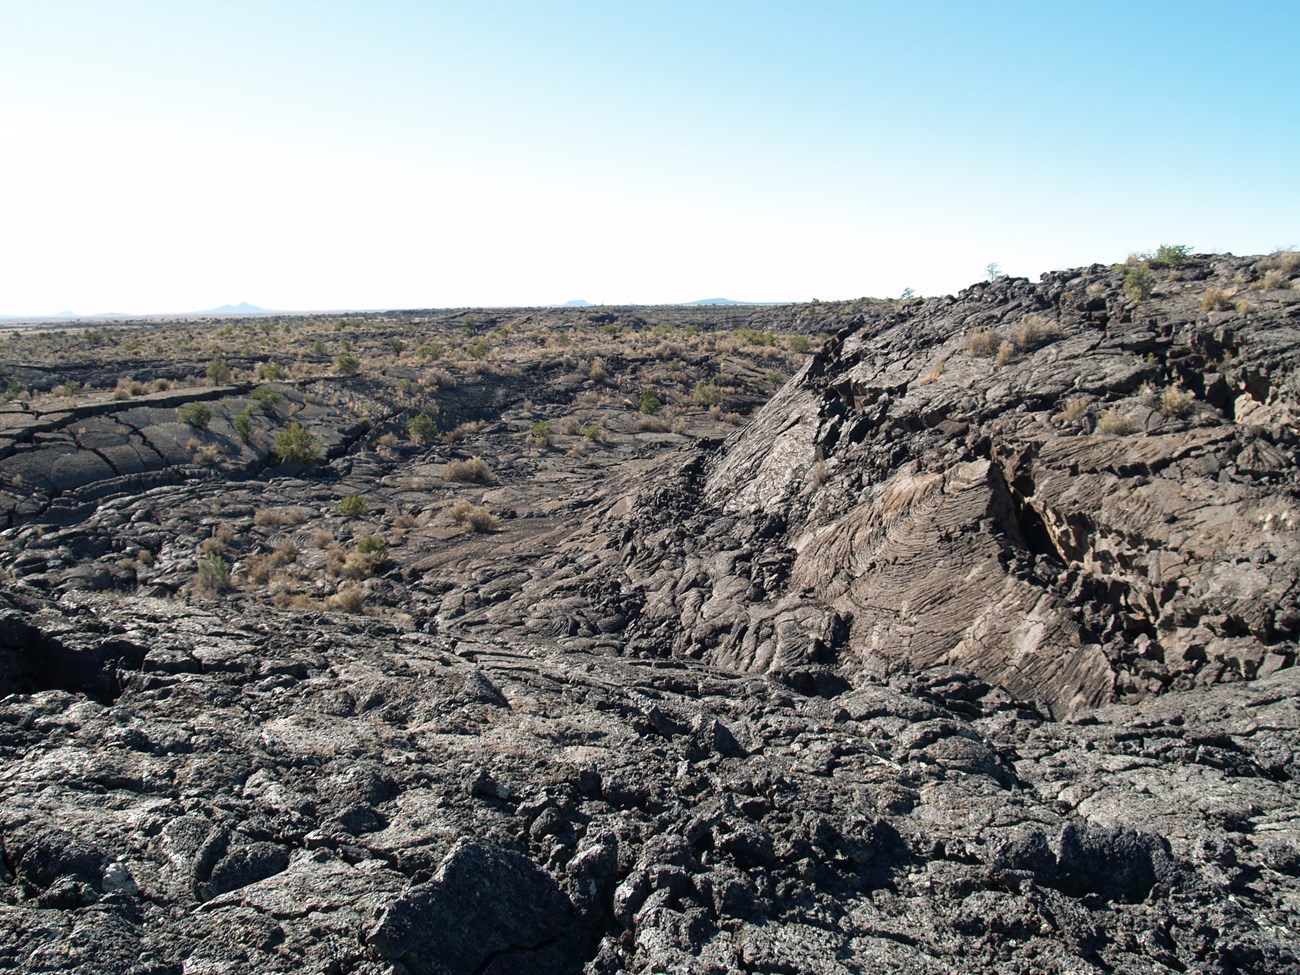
1114, 423
472, 471
280, 517
1176, 402
1217, 299
348, 599
476, 518
1076, 409
983, 343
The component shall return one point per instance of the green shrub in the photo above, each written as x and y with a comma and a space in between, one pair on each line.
706, 394
1139, 282
650, 401
346, 364
541, 433
354, 506
243, 422
371, 545
213, 574
218, 372
798, 344
593, 432
753, 336
295, 443
478, 349
265, 398
317, 347
195, 414
1170, 255
422, 429
270, 372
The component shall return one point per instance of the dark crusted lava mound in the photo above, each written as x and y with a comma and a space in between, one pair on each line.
972, 651
1077, 496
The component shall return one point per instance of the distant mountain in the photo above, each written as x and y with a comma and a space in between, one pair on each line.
716, 301
243, 308
576, 303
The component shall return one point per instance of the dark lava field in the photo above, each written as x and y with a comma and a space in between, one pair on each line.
937, 635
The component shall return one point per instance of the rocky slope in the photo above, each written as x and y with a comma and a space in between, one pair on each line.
971, 650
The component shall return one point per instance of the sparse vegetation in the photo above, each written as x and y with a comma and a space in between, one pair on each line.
1030, 333
281, 517
650, 402
371, 545
243, 424
1034, 331
350, 598
1076, 409
265, 398
346, 364
983, 343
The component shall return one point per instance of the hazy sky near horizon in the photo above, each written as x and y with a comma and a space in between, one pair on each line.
162, 157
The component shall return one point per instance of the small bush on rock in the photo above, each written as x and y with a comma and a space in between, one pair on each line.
197, 415
296, 444
1170, 255
422, 429
540, 434
213, 574
1139, 282
354, 506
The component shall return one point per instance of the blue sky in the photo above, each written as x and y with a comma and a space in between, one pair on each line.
304, 155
